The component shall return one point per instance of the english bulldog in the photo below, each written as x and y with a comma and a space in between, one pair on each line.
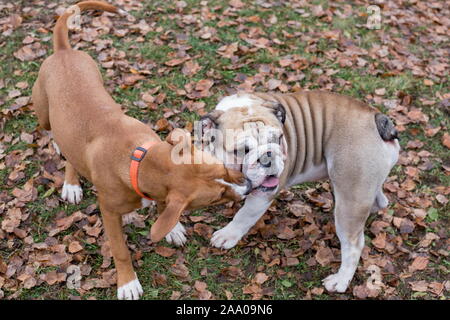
281, 140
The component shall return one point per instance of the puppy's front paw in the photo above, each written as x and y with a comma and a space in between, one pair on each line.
72, 193
336, 283
226, 238
177, 236
130, 291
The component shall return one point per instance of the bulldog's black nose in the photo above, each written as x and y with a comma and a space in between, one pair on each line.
265, 159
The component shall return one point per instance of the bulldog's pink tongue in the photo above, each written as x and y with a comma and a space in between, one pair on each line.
270, 182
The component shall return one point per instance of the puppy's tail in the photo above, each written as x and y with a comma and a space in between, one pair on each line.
60, 32
385, 127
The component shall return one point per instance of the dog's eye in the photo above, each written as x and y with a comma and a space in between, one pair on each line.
246, 150
213, 138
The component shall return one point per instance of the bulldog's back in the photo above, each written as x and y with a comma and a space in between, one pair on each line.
319, 121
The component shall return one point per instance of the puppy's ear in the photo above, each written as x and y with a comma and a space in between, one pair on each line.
234, 176
280, 112
175, 205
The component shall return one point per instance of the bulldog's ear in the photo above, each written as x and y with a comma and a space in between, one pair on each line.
206, 124
174, 207
280, 112
209, 121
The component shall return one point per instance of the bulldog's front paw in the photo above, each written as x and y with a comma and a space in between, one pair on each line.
130, 291
336, 283
226, 238
72, 193
177, 236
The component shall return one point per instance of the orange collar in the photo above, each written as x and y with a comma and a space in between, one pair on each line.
136, 158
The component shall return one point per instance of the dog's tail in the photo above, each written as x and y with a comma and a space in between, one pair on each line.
60, 32
385, 127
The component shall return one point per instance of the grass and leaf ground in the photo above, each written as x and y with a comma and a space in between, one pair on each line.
168, 63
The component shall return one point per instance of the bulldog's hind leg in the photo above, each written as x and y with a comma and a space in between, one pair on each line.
350, 217
356, 188
71, 190
381, 202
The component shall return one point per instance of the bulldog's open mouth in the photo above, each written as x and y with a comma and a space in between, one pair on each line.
270, 183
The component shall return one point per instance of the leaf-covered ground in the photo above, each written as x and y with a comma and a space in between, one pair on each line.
169, 63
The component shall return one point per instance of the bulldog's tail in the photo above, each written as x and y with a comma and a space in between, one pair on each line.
385, 127
60, 32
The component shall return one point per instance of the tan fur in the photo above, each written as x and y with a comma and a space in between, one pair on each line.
328, 136
97, 139
319, 120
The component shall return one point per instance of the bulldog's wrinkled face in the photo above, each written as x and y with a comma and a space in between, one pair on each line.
246, 133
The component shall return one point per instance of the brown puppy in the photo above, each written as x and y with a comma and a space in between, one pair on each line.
97, 139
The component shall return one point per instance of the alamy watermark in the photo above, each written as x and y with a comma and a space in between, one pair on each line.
373, 18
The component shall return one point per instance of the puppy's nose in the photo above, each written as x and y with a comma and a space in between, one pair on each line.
265, 159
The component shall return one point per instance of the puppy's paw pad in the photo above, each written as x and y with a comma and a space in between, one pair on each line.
226, 238
336, 283
130, 291
177, 236
72, 193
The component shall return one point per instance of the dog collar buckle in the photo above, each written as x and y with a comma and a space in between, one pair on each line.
138, 154
136, 157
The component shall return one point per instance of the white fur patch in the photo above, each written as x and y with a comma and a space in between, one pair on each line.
336, 282
130, 291
72, 193
177, 236
55, 146
240, 190
226, 237
236, 101
146, 203
122, 12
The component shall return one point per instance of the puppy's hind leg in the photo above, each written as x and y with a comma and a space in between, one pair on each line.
71, 191
40, 107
